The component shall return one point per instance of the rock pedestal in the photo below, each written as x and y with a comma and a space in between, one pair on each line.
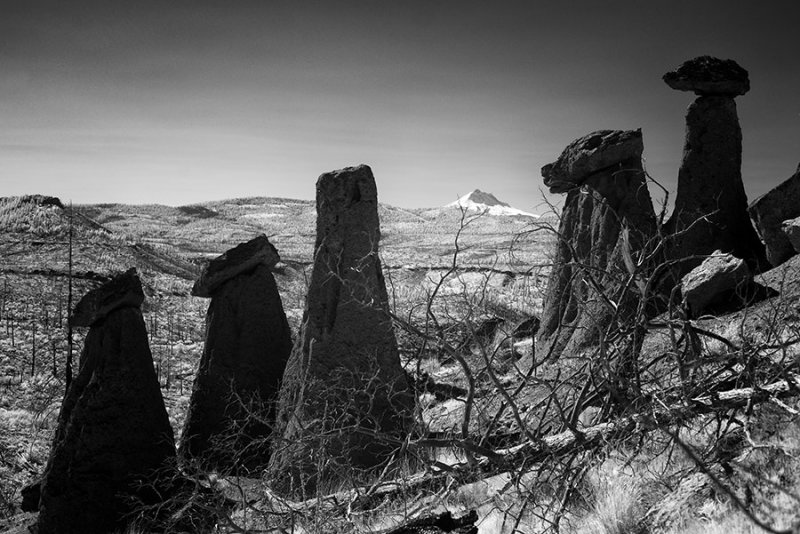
248, 342
769, 213
606, 222
345, 404
711, 205
113, 438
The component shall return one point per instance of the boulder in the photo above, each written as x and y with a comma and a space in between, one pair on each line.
769, 213
708, 76
345, 404
607, 220
248, 342
113, 442
711, 205
122, 291
717, 278
791, 230
240, 259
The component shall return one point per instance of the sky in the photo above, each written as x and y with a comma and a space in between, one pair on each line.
183, 101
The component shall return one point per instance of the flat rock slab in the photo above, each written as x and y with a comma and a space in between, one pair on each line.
238, 260
123, 290
590, 154
707, 75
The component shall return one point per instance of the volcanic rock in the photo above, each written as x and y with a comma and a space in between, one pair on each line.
589, 154
769, 213
113, 439
122, 291
606, 223
248, 342
791, 229
345, 404
240, 259
707, 76
711, 205
717, 277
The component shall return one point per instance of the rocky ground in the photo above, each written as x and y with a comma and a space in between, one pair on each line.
465, 353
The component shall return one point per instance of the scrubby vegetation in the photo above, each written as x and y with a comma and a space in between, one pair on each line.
710, 442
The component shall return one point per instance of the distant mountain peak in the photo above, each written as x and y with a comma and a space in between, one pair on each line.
478, 200
478, 197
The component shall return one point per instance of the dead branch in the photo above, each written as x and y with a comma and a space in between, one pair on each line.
539, 450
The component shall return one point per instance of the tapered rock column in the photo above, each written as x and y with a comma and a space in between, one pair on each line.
345, 405
113, 439
248, 342
608, 215
711, 205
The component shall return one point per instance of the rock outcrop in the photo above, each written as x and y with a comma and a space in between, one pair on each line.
711, 204
606, 222
718, 277
248, 343
345, 404
113, 438
770, 211
791, 230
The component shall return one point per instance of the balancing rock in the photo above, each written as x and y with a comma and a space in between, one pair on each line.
711, 205
606, 223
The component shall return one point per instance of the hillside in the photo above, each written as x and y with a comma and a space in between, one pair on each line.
501, 424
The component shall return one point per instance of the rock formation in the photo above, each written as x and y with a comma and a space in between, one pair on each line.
718, 277
345, 404
711, 205
248, 342
113, 437
791, 230
770, 211
607, 218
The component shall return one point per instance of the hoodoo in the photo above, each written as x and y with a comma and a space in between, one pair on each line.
345, 404
248, 342
113, 438
608, 215
711, 205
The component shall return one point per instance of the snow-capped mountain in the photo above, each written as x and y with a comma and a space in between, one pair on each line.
478, 200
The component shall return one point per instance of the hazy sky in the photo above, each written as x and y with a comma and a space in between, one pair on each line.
183, 101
